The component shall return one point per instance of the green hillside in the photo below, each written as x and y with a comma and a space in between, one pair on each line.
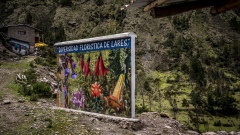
189, 64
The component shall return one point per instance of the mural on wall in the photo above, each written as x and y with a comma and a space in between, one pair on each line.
95, 78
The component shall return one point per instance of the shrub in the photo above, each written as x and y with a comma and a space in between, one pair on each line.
29, 18
38, 60
25, 90
227, 125
235, 24
34, 97
217, 123
31, 76
31, 65
42, 89
50, 124
180, 22
141, 109
66, 2
98, 2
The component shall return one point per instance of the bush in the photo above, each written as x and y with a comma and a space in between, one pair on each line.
141, 109
25, 90
31, 65
235, 24
180, 22
38, 89
34, 97
217, 123
50, 124
31, 76
38, 60
47, 61
42, 89
66, 2
98, 2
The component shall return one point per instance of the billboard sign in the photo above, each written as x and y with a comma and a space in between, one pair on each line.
97, 74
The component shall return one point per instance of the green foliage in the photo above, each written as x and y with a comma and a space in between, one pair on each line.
30, 75
66, 2
185, 103
44, 23
31, 64
60, 34
237, 11
147, 86
29, 18
185, 68
224, 102
197, 97
47, 61
181, 22
217, 123
38, 89
179, 46
50, 122
42, 89
235, 24
25, 90
142, 109
197, 72
98, 2
34, 97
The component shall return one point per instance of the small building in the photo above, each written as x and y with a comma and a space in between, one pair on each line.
22, 37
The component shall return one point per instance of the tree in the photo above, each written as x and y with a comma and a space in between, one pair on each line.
98, 2
60, 34
147, 87
139, 86
29, 18
66, 2
156, 83
197, 72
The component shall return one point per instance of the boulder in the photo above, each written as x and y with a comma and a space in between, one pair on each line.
222, 133
6, 102
209, 133
164, 115
192, 132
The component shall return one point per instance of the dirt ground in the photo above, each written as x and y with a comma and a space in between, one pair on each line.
19, 116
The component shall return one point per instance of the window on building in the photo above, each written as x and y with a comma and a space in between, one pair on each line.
22, 32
